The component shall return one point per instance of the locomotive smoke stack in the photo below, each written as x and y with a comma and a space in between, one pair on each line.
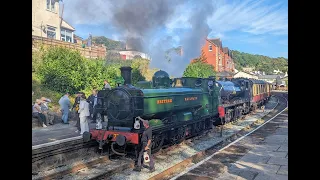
126, 74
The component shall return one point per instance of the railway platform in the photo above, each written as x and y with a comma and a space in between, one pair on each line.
56, 133
260, 155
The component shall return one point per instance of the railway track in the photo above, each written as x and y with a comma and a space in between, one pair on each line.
201, 155
45, 152
180, 169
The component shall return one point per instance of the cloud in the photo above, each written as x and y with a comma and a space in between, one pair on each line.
251, 22
84, 12
251, 16
253, 40
255, 17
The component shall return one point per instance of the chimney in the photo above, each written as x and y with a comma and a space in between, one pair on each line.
128, 46
126, 74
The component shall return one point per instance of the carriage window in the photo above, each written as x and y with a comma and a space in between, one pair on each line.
265, 88
247, 85
257, 90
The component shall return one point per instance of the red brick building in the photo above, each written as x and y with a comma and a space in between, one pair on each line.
228, 63
218, 56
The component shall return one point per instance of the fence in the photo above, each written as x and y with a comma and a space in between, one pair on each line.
88, 52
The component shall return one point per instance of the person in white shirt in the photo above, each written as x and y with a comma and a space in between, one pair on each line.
84, 114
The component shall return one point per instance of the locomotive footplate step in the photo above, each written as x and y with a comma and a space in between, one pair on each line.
57, 132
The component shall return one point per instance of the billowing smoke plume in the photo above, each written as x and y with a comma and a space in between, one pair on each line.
191, 42
138, 22
137, 18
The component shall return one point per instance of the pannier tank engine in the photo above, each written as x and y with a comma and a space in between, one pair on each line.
175, 109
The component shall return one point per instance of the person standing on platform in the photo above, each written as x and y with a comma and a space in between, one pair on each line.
76, 109
92, 100
84, 114
65, 106
146, 146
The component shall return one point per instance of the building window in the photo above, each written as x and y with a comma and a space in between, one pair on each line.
51, 32
66, 35
210, 47
51, 5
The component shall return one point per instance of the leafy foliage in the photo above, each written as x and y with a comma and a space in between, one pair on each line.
97, 72
139, 70
64, 70
199, 68
259, 62
109, 43
36, 60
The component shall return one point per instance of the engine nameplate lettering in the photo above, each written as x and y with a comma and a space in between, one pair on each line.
190, 98
164, 101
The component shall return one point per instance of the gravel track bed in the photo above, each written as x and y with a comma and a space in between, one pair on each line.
177, 153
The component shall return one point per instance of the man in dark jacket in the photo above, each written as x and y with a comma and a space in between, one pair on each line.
92, 100
146, 146
76, 108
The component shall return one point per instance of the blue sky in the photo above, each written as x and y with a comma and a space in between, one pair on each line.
252, 26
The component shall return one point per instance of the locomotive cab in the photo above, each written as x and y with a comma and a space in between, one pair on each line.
161, 79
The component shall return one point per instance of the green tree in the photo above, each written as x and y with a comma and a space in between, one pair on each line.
109, 43
139, 67
97, 71
139, 70
62, 70
199, 69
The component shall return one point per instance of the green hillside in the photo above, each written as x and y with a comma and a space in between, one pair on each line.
259, 62
109, 43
